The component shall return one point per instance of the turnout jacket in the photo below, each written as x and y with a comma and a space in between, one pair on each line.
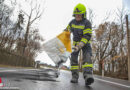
81, 31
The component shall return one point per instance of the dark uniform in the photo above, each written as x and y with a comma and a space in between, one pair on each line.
81, 31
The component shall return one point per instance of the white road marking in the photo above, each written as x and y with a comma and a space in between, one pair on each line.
112, 82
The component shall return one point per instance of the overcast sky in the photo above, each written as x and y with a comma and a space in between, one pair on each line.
58, 13
126, 4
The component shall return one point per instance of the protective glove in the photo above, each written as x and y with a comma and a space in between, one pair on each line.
78, 47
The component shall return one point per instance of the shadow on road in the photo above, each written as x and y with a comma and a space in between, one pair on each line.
89, 88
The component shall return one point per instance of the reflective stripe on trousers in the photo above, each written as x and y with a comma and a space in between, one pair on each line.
87, 62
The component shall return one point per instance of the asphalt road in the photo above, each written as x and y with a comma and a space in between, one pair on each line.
45, 79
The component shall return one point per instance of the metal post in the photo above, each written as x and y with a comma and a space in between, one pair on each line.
128, 45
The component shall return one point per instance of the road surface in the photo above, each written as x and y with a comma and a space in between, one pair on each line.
45, 79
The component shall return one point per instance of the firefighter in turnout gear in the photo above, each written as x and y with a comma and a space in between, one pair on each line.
81, 29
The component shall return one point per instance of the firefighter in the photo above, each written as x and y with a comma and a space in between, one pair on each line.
81, 29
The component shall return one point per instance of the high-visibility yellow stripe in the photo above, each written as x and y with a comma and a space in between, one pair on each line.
84, 66
74, 67
78, 26
68, 27
88, 30
87, 65
75, 43
85, 40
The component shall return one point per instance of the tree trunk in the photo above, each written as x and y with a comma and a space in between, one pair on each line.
100, 67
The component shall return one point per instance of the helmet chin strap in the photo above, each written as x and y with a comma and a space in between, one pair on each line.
84, 15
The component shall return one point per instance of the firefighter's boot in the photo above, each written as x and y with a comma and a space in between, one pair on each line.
75, 76
74, 80
89, 79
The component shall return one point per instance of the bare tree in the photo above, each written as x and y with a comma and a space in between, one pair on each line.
35, 14
15, 35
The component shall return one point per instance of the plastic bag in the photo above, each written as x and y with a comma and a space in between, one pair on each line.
59, 48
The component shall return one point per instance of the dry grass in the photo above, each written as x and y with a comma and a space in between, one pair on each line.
8, 66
